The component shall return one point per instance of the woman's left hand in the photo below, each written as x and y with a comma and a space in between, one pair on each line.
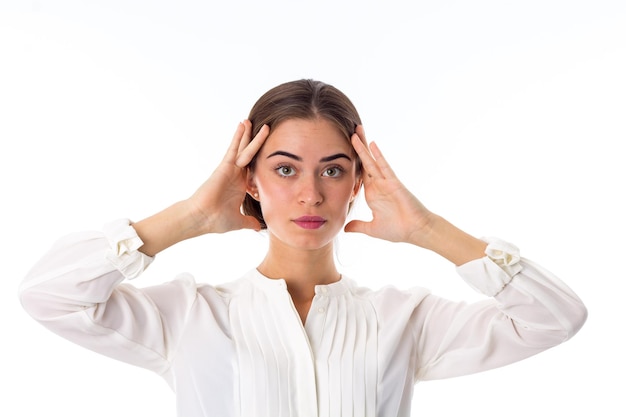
398, 216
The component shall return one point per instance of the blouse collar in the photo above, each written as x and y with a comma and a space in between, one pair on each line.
279, 284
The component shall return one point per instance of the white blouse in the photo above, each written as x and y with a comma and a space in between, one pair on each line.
240, 349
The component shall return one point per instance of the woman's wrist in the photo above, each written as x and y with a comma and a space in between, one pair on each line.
168, 227
447, 240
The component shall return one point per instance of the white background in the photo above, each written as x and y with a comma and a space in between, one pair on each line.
508, 118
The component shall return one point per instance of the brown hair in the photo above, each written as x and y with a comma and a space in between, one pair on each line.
301, 99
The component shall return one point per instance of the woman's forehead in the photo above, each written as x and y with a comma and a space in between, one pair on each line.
307, 136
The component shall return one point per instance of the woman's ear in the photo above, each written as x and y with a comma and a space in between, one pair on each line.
356, 189
251, 187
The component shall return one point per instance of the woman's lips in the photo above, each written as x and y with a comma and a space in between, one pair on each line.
310, 222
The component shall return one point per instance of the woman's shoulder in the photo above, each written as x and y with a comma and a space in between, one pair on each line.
388, 294
226, 289
391, 305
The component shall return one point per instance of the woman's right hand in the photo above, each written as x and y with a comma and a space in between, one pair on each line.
215, 207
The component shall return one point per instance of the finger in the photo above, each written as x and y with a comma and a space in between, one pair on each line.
231, 153
370, 167
361, 132
246, 155
247, 135
381, 162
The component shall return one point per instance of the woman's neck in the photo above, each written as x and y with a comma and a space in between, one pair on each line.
301, 269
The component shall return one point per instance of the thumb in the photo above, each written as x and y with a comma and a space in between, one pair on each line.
357, 226
249, 222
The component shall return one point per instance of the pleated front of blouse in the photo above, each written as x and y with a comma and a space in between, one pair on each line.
326, 368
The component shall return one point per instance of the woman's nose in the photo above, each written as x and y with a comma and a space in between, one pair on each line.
310, 192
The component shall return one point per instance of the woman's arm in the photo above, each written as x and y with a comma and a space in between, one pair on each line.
77, 289
215, 206
532, 311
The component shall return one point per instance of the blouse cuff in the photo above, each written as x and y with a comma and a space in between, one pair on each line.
491, 273
123, 249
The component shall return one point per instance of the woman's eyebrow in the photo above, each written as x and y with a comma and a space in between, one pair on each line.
298, 158
287, 154
335, 156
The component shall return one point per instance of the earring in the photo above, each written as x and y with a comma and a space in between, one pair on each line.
256, 195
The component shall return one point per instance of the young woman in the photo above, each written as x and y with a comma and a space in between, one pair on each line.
293, 337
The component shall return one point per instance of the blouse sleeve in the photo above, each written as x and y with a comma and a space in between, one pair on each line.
531, 311
76, 290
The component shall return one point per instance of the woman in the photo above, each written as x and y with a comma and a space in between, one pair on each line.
293, 337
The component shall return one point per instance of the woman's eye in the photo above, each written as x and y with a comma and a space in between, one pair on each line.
286, 171
333, 172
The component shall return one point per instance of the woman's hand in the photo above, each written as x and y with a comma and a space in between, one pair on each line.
217, 203
215, 207
398, 216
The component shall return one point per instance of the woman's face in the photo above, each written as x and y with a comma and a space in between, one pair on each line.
305, 177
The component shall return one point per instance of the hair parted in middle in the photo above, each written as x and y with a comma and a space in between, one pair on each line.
301, 99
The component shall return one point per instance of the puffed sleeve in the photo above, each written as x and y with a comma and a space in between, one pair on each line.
530, 311
76, 290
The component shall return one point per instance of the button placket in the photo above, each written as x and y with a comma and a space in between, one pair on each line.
321, 301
